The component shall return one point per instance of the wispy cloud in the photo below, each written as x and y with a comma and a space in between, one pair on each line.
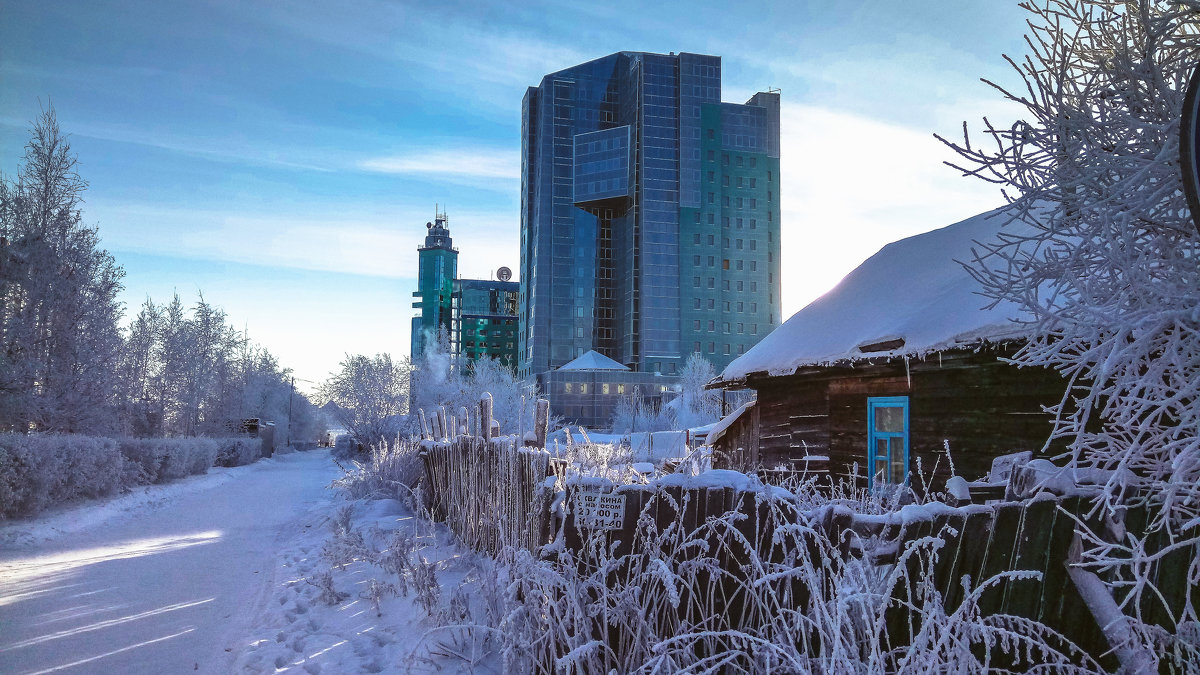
463, 162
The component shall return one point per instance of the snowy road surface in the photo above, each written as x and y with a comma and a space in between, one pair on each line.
164, 581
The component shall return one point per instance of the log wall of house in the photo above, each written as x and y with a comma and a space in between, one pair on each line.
980, 405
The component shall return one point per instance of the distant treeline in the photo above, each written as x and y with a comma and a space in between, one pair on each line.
66, 363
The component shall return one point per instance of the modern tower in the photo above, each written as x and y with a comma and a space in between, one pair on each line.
437, 269
649, 215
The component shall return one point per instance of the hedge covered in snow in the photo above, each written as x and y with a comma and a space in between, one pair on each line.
40, 470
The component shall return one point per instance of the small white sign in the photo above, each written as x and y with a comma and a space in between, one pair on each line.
595, 510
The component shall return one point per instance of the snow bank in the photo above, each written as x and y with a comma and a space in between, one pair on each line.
913, 290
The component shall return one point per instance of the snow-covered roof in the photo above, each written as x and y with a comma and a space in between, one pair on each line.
593, 360
912, 297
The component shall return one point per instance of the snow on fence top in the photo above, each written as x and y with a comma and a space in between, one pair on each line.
912, 297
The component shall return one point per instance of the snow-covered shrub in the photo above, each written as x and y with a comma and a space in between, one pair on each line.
392, 470
143, 460
184, 457
238, 450
40, 470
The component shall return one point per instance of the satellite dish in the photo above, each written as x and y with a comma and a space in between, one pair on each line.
503, 274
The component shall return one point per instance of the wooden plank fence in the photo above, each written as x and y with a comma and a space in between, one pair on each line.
494, 492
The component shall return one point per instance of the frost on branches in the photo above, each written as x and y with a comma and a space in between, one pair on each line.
1112, 272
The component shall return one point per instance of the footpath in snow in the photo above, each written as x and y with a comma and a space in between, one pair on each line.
168, 579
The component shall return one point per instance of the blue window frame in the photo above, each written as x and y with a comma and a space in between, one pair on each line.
887, 439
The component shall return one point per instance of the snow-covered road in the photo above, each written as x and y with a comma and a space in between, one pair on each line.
163, 581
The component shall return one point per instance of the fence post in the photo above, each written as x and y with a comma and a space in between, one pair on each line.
485, 416
466, 419
541, 424
443, 430
424, 424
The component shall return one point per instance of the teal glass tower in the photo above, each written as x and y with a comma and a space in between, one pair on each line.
436, 271
650, 215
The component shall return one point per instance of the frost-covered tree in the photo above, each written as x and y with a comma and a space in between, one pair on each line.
370, 396
1111, 275
59, 312
697, 405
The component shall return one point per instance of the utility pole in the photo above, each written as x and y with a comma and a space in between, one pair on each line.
291, 393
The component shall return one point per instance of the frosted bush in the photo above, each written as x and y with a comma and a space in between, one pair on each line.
238, 450
392, 471
186, 456
37, 471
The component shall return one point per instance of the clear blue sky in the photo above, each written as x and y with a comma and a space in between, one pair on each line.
284, 157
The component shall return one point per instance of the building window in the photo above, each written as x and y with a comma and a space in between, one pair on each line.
725, 201
768, 173
754, 246
725, 181
726, 286
741, 286
739, 160
712, 261
887, 440
583, 387
710, 155
753, 265
740, 202
696, 324
741, 349
710, 303
753, 223
726, 349
696, 282
740, 264
753, 307
725, 161
711, 175
711, 197
753, 286
696, 259
725, 327
754, 203
696, 347
620, 389
753, 181
740, 184
741, 327
739, 244
741, 305
710, 134
725, 264
567, 388
696, 303
739, 223
712, 325
769, 196
710, 240
711, 219
753, 162
697, 217
726, 305
754, 329
604, 388
696, 238
712, 348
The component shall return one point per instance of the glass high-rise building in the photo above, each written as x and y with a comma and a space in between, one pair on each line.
649, 215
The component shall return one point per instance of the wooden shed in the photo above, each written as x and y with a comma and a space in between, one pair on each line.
896, 364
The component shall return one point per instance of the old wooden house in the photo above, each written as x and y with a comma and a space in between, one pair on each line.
895, 365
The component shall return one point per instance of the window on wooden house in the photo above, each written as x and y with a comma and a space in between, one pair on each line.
887, 438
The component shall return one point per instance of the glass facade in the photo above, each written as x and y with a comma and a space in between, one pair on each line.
485, 320
649, 215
